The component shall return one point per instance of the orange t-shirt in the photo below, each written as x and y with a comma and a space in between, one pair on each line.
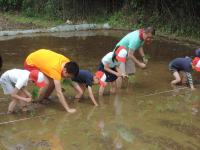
48, 62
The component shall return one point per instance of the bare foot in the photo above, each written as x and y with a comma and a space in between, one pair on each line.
71, 110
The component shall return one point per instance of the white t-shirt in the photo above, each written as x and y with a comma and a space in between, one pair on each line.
17, 77
107, 59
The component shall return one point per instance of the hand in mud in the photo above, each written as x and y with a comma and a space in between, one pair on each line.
145, 60
28, 99
142, 65
124, 76
193, 89
71, 110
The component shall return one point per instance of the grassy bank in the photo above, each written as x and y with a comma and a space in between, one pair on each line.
41, 21
116, 20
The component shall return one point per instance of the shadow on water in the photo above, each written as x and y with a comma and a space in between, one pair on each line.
138, 117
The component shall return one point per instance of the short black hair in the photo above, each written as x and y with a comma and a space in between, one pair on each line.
150, 30
1, 62
72, 68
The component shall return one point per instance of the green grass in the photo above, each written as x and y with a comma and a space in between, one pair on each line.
39, 21
117, 20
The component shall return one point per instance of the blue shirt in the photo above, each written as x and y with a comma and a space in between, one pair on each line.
85, 77
181, 64
131, 41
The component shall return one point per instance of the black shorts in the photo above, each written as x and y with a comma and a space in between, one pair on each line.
109, 76
172, 69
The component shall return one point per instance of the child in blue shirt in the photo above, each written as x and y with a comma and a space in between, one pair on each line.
197, 52
84, 80
184, 65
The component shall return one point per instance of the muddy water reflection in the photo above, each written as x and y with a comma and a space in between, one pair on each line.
132, 119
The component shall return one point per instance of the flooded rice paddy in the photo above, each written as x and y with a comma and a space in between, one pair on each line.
146, 114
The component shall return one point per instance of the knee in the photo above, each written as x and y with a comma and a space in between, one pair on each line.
178, 80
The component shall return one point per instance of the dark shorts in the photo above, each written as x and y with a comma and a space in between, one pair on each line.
109, 76
172, 69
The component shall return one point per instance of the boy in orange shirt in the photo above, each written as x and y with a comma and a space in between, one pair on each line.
55, 66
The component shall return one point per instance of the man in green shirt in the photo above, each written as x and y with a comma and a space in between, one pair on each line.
133, 42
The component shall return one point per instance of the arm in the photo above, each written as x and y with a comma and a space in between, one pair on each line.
131, 56
78, 89
107, 68
92, 96
189, 77
101, 90
26, 92
61, 97
16, 96
123, 75
122, 68
141, 51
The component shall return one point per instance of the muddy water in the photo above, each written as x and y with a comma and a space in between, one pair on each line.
145, 115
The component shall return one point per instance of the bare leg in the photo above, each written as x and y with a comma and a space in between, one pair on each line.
12, 105
47, 90
79, 91
119, 82
177, 78
14, 102
113, 87
23, 104
183, 77
101, 90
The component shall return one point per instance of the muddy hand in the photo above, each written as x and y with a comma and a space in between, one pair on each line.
145, 60
124, 76
142, 65
28, 99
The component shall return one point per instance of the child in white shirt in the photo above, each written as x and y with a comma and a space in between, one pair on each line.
14, 82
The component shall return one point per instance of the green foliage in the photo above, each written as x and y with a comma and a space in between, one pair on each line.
66, 82
35, 93
117, 20
40, 20
176, 17
10, 4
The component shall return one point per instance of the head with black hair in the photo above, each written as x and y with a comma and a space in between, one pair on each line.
71, 69
148, 34
197, 52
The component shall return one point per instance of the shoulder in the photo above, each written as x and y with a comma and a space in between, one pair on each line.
86, 72
109, 54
